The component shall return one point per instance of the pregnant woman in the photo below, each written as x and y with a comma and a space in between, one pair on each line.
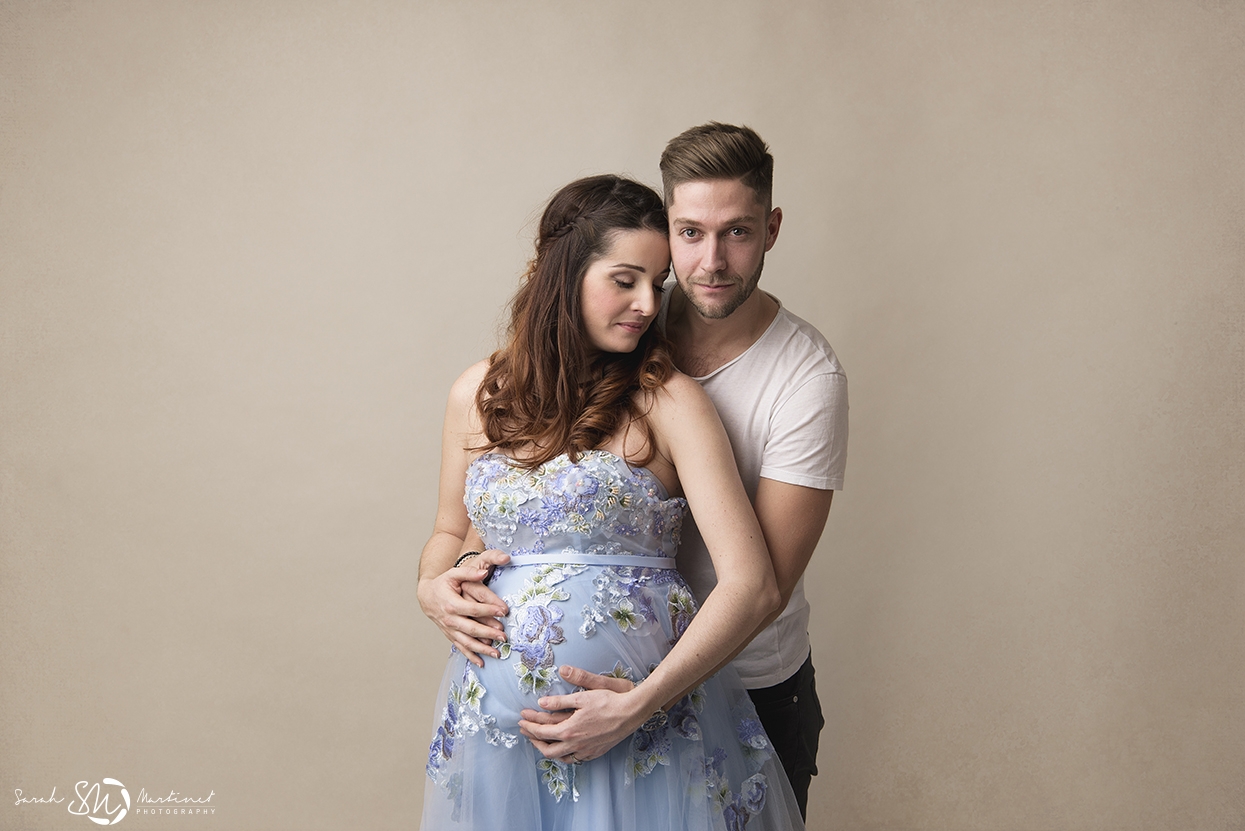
579, 448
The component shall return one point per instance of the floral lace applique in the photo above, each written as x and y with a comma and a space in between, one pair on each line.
621, 594
682, 608
620, 671
737, 808
535, 632
540, 583
597, 492
682, 716
559, 778
757, 748
461, 719
535, 625
651, 747
495, 492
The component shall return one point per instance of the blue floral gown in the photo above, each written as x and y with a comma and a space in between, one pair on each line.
591, 583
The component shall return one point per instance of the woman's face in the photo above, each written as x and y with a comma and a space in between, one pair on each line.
622, 290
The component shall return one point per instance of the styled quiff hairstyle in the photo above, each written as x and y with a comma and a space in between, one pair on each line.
548, 391
718, 151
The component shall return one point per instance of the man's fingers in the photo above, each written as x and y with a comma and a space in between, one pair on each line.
482, 594
492, 557
471, 638
482, 630
470, 650
593, 681
485, 615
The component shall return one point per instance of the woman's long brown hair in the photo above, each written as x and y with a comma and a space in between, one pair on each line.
547, 391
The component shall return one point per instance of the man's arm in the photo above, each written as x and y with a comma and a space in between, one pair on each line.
792, 518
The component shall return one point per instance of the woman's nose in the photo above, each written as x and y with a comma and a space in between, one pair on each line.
646, 302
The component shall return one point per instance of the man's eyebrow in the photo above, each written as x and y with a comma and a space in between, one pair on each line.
735, 220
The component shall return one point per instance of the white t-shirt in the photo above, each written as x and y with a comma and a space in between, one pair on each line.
784, 405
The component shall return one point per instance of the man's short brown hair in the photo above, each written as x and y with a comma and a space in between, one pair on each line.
718, 151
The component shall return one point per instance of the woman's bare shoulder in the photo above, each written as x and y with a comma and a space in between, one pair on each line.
465, 386
460, 409
680, 397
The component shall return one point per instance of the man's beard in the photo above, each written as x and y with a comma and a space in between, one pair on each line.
728, 307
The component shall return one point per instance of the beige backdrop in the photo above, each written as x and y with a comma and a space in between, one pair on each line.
247, 246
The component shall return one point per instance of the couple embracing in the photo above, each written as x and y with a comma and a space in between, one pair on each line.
620, 664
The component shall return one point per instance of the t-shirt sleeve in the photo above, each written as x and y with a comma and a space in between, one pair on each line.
808, 435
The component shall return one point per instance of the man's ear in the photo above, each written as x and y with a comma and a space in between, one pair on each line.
771, 228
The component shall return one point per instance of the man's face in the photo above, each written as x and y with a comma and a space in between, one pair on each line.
719, 233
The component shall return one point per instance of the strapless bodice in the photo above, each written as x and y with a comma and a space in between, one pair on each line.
598, 504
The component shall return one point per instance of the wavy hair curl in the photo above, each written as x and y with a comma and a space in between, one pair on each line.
547, 390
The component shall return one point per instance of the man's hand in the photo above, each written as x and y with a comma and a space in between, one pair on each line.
464, 608
583, 725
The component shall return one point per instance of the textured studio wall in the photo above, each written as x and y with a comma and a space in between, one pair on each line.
245, 248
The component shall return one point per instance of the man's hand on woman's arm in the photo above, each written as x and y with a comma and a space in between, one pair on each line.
463, 608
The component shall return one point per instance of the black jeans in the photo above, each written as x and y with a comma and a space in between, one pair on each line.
791, 716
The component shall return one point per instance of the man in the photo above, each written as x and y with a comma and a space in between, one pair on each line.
782, 397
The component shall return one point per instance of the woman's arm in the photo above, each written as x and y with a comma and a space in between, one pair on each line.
453, 598
690, 434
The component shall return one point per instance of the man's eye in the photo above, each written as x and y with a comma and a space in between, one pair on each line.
738, 232
687, 233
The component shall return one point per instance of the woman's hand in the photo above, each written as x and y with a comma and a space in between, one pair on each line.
584, 725
464, 609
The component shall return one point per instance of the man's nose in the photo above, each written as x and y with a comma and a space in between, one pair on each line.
713, 255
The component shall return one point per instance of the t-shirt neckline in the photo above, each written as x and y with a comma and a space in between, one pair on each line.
742, 355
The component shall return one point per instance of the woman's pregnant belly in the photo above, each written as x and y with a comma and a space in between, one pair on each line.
626, 629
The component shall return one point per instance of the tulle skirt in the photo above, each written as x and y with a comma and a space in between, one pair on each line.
710, 766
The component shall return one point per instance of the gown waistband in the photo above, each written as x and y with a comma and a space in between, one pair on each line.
572, 556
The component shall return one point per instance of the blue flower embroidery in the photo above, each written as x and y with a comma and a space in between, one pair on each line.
737, 808
682, 716
461, 718
752, 734
649, 748
746, 804
442, 748
536, 632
